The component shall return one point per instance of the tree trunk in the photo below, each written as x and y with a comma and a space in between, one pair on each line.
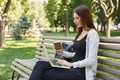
2, 40
2, 22
108, 11
108, 29
107, 33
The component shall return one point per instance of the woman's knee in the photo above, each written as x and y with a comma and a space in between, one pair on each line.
37, 64
41, 64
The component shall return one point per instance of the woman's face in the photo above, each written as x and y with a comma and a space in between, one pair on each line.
77, 20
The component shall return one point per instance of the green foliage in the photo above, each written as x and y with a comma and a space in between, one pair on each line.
2, 5
18, 8
17, 31
18, 28
99, 12
51, 11
56, 11
116, 16
36, 13
24, 22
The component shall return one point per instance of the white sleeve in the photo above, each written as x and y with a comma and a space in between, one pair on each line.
68, 54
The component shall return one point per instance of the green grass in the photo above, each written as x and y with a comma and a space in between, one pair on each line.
113, 34
15, 49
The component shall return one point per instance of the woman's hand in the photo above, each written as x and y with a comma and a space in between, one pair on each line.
65, 63
60, 52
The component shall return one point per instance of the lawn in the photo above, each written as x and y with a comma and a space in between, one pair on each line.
15, 49
25, 49
113, 34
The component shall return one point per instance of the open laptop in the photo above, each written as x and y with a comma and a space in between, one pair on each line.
53, 61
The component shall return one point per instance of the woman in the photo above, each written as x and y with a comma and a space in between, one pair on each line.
84, 61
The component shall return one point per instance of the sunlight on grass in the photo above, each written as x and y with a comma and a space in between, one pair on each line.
2, 72
1, 49
2, 65
23, 49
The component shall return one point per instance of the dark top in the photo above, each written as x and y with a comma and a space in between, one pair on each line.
80, 49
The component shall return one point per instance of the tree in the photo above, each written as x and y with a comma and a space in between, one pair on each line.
36, 16
109, 9
20, 27
2, 22
100, 17
24, 23
51, 9
59, 12
65, 5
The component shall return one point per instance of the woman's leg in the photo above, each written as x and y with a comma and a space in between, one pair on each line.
64, 74
39, 69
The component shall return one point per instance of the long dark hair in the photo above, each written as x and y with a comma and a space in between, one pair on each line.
86, 19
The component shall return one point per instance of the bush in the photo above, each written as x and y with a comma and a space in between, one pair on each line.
20, 27
16, 32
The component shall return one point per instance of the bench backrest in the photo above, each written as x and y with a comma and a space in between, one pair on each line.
108, 55
109, 59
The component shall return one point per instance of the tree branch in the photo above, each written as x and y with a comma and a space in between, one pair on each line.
117, 4
113, 8
7, 6
104, 6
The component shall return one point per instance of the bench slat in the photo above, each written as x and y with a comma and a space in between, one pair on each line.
110, 40
110, 47
27, 63
58, 37
40, 54
20, 72
21, 67
46, 41
116, 64
111, 55
49, 46
109, 70
106, 77
48, 50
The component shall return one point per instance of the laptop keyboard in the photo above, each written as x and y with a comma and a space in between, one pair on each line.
54, 62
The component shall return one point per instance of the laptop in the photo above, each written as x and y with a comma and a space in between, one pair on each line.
53, 61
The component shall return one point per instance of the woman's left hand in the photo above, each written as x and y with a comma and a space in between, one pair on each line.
65, 63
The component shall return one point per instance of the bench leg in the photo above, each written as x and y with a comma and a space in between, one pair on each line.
18, 77
13, 74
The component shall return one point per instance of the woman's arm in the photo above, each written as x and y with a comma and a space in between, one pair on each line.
68, 54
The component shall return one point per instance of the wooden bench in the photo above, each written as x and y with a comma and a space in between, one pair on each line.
108, 58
